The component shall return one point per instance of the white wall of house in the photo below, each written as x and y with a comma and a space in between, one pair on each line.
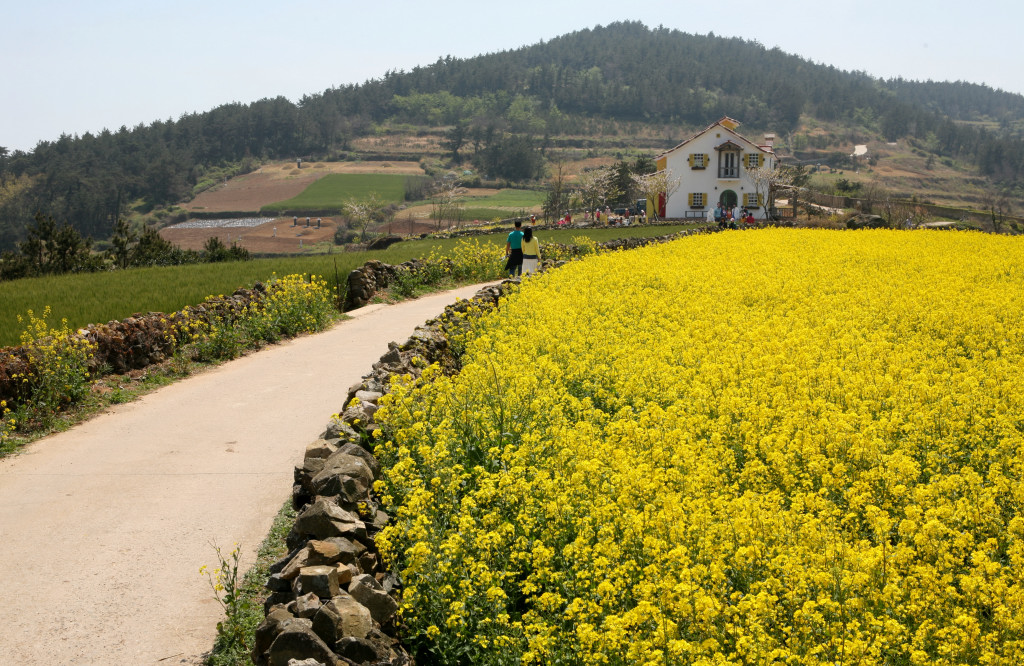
712, 166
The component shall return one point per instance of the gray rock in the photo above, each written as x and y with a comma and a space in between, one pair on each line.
344, 475
320, 449
299, 642
353, 449
339, 429
369, 396
278, 582
340, 617
305, 662
359, 414
323, 520
307, 605
365, 589
350, 551
359, 650
320, 580
277, 620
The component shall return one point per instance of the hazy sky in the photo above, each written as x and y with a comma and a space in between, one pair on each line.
68, 66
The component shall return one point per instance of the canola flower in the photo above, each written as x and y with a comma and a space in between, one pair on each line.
780, 446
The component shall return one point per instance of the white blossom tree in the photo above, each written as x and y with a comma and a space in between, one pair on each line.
596, 187
651, 185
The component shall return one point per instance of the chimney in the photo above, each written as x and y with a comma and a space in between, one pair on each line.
769, 141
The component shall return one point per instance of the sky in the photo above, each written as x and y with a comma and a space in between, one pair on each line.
70, 67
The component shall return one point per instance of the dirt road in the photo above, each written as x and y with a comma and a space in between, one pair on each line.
103, 528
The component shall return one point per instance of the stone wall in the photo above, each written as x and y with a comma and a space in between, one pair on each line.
129, 344
331, 599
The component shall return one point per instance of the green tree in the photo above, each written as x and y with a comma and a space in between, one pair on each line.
121, 243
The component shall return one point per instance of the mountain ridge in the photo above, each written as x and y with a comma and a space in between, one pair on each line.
507, 107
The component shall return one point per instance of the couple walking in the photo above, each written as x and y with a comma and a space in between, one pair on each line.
523, 251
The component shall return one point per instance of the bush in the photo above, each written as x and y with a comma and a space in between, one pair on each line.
59, 362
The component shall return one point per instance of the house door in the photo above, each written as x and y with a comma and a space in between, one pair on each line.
728, 199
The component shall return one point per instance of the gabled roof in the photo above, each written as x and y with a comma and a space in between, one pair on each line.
726, 123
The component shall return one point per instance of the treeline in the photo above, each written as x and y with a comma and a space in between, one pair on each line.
502, 110
54, 249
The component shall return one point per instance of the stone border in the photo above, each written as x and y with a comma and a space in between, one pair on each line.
132, 343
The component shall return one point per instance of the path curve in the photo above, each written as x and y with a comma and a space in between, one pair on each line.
103, 528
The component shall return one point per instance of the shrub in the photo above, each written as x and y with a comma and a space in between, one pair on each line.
59, 363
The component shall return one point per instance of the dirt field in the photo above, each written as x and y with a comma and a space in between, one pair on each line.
277, 182
261, 239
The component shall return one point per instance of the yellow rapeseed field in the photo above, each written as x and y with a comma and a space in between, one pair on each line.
778, 446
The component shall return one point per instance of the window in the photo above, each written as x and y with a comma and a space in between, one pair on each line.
752, 200
754, 160
697, 199
698, 160
728, 166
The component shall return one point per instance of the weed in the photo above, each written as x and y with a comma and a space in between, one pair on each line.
224, 582
250, 594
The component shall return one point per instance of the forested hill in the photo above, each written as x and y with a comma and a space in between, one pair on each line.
505, 105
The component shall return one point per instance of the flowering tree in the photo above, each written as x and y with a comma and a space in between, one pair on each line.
596, 187
651, 185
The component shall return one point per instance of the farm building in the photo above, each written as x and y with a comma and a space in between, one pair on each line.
714, 166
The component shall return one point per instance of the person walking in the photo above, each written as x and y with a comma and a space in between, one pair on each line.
514, 251
531, 251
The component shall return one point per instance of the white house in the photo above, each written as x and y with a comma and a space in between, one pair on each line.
713, 166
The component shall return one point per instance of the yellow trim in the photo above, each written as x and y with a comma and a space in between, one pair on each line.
662, 163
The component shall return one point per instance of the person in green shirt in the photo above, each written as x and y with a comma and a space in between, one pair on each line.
514, 251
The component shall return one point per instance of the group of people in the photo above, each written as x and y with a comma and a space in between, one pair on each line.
522, 251
725, 216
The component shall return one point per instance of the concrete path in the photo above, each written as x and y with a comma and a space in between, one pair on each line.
103, 528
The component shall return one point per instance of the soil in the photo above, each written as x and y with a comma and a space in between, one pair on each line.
277, 182
276, 237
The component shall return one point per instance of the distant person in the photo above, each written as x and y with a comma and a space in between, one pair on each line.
295, 221
719, 213
531, 251
514, 250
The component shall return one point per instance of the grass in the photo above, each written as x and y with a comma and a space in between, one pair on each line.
333, 190
106, 391
91, 298
252, 592
509, 198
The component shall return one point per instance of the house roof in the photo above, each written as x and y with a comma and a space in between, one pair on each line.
725, 123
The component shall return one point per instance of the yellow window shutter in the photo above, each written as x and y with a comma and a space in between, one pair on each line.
690, 195
691, 160
707, 159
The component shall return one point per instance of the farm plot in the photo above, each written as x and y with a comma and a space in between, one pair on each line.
333, 190
779, 446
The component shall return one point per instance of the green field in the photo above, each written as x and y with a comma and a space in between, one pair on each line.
509, 198
333, 190
87, 298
